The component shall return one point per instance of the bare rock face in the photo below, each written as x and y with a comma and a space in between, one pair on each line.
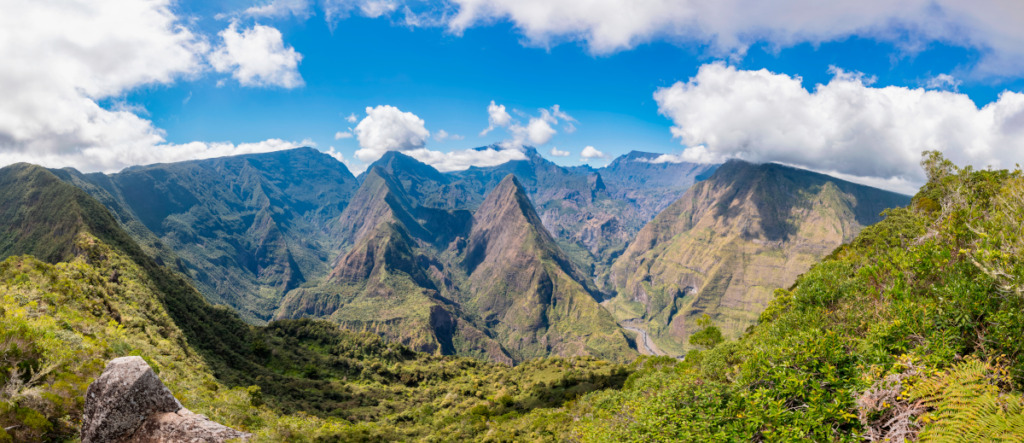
129, 403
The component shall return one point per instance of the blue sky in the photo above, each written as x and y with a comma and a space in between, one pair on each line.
899, 80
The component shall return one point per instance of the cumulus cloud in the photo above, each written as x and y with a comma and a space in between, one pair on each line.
463, 159
67, 57
943, 81
591, 152
731, 26
845, 126
537, 130
555, 152
257, 57
387, 128
352, 118
496, 117
342, 135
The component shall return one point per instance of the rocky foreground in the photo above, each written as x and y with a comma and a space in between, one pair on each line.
129, 404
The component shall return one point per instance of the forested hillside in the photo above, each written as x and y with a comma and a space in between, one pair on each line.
99, 297
911, 331
723, 247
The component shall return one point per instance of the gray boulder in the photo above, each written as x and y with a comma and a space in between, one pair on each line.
129, 403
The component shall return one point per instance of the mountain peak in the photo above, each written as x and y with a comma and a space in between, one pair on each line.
509, 184
508, 204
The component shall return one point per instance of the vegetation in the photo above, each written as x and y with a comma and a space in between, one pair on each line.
310, 380
724, 247
911, 331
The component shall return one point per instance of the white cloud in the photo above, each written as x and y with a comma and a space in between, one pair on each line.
496, 117
731, 26
257, 57
943, 81
844, 126
692, 155
443, 135
342, 135
555, 152
280, 9
116, 157
463, 159
591, 152
351, 118
64, 58
538, 130
387, 128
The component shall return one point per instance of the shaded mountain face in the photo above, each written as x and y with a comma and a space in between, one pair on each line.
247, 228
731, 240
444, 281
42, 216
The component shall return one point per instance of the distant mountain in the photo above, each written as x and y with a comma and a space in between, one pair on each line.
525, 288
450, 281
731, 240
593, 213
651, 186
247, 228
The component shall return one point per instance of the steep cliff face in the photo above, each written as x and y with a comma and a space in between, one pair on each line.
525, 288
492, 284
731, 240
246, 228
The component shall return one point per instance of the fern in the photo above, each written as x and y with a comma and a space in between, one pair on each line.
968, 403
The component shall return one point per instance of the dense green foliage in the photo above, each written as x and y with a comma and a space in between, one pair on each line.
934, 285
103, 297
910, 331
61, 323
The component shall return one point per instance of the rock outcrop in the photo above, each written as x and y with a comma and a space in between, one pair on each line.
129, 403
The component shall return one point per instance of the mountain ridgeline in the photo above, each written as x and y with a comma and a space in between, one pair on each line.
99, 295
492, 284
730, 241
246, 229
910, 330
507, 263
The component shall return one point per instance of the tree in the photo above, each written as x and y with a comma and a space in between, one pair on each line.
708, 336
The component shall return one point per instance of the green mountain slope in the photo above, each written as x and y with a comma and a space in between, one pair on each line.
731, 240
103, 297
525, 288
247, 228
911, 331
438, 280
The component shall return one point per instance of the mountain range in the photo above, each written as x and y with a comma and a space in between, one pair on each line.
910, 327
507, 263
